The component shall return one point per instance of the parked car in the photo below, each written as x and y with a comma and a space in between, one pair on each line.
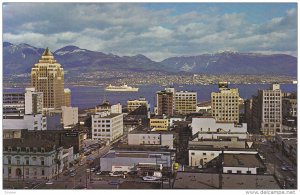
49, 182
116, 174
284, 168
150, 178
72, 174
98, 173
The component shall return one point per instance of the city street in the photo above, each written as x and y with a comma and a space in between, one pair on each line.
275, 161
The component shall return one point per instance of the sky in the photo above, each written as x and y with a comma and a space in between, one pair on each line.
156, 30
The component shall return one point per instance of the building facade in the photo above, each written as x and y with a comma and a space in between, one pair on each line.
33, 101
270, 110
28, 159
69, 115
210, 124
225, 104
185, 102
148, 138
107, 127
30, 122
165, 103
160, 124
47, 76
13, 104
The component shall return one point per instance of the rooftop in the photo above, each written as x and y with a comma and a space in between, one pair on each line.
242, 160
148, 130
193, 180
111, 115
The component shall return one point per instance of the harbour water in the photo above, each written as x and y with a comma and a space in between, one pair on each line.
89, 96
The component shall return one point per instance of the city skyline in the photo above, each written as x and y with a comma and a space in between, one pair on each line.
157, 30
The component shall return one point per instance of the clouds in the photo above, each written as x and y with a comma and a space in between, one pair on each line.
130, 29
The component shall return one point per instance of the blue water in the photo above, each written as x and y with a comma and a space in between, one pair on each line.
88, 97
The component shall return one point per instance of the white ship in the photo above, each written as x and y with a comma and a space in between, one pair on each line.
120, 88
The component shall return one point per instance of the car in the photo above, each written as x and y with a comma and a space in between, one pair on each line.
150, 178
93, 169
98, 173
284, 168
49, 182
88, 170
115, 174
72, 174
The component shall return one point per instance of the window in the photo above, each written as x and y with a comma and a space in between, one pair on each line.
9, 160
238, 172
248, 172
229, 171
9, 170
27, 171
43, 172
42, 161
193, 153
204, 154
27, 160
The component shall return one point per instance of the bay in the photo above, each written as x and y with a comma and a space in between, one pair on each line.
90, 96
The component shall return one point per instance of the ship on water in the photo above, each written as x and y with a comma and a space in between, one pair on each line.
121, 88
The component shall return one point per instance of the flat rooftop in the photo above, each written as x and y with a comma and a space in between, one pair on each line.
242, 160
196, 180
148, 130
111, 115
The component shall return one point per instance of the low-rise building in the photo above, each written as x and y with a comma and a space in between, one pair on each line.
127, 160
199, 156
147, 136
107, 127
31, 159
107, 107
159, 123
134, 104
209, 124
196, 180
243, 163
30, 122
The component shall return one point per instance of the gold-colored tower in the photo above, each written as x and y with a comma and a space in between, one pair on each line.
47, 76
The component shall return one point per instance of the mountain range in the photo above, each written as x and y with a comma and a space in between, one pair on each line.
20, 59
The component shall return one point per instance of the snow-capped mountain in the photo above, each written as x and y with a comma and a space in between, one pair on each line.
20, 59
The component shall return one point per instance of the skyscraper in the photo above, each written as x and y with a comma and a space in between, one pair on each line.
185, 102
47, 76
225, 104
164, 102
269, 114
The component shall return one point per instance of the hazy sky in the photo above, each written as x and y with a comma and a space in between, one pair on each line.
157, 30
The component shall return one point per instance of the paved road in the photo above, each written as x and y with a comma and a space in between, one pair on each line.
275, 160
82, 177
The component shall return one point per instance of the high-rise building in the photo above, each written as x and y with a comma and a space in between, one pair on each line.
47, 76
269, 112
225, 104
67, 97
165, 103
185, 102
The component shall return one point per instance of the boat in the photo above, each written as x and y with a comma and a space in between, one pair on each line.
120, 88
